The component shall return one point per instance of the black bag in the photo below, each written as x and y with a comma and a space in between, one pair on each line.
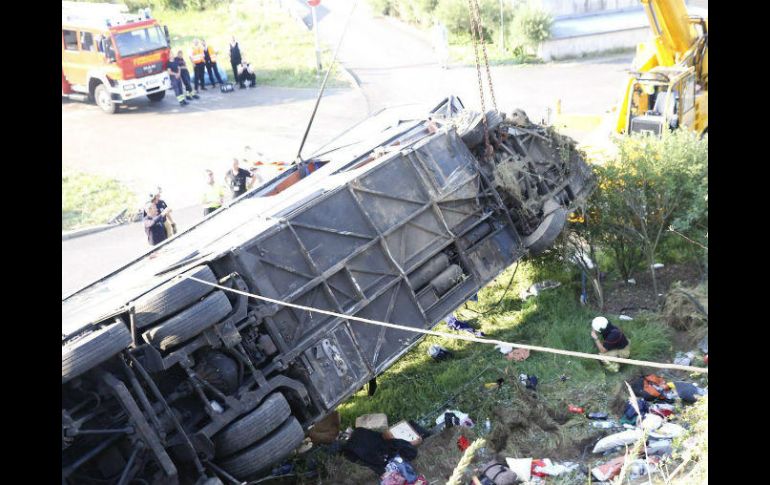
369, 448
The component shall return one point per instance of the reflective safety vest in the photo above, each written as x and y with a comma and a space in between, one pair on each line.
197, 54
212, 54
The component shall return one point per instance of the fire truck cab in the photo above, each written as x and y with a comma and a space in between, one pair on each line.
110, 56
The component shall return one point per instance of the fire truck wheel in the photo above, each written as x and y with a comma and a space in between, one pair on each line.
155, 97
103, 99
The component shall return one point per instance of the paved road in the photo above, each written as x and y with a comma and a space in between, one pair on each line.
395, 64
169, 145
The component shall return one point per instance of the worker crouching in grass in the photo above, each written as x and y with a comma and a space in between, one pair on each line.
614, 343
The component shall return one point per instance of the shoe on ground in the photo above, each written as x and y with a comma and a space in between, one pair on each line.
203, 88
183, 103
252, 85
241, 86
195, 96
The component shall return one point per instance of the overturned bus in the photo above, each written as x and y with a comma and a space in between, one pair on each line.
171, 373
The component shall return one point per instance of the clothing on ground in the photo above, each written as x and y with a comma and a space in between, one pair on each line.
454, 324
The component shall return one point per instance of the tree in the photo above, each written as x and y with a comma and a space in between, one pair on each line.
653, 184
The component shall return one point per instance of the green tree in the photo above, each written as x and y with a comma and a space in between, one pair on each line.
653, 184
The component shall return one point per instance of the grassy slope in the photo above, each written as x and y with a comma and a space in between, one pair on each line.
88, 200
415, 386
280, 48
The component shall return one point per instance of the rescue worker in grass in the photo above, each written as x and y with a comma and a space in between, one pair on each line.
614, 343
210, 58
199, 64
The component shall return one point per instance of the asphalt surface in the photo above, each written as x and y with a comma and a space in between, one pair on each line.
164, 144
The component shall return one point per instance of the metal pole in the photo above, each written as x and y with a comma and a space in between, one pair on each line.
317, 43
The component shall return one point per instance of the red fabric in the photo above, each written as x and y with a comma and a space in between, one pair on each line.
463, 443
537, 463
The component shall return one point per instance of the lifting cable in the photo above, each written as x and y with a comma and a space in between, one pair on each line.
477, 37
536, 348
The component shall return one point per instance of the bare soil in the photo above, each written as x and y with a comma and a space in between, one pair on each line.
621, 297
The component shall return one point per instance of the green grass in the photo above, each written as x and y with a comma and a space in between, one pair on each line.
278, 46
88, 200
416, 387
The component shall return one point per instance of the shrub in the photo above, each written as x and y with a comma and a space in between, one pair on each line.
455, 16
530, 26
654, 184
383, 7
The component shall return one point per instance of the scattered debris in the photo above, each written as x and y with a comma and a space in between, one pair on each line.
504, 349
326, 430
604, 424
452, 417
625, 318
438, 352
461, 326
538, 287
490, 386
371, 449
522, 467
657, 266
575, 409
688, 392
618, 439
652, 422
529, 381
659, 447
608, 470
498, 474
404, 431
667, 430
518, 355
596, 415
548, 468
631, 281
375, 422
463, 443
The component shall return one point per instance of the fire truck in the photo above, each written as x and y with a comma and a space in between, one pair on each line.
110, 56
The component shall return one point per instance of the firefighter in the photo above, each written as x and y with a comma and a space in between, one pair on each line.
245, 73
210, 57
175, 73
189, 91
235, 56
199, 64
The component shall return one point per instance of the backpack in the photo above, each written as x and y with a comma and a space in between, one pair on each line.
649, 387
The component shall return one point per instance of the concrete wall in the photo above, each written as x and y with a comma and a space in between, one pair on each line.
563, 8
555, 49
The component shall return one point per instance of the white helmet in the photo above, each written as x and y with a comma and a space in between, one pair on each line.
599, 323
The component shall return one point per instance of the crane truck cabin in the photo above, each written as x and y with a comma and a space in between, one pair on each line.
668, 85
110, 56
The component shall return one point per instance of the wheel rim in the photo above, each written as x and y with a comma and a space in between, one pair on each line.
103, 99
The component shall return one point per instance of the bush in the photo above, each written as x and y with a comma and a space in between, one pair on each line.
383, 7
455, 16
654, 184
530, 26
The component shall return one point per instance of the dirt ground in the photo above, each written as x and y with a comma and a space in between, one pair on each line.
625, 298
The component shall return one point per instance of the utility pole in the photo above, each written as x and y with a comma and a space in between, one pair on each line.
313, 4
